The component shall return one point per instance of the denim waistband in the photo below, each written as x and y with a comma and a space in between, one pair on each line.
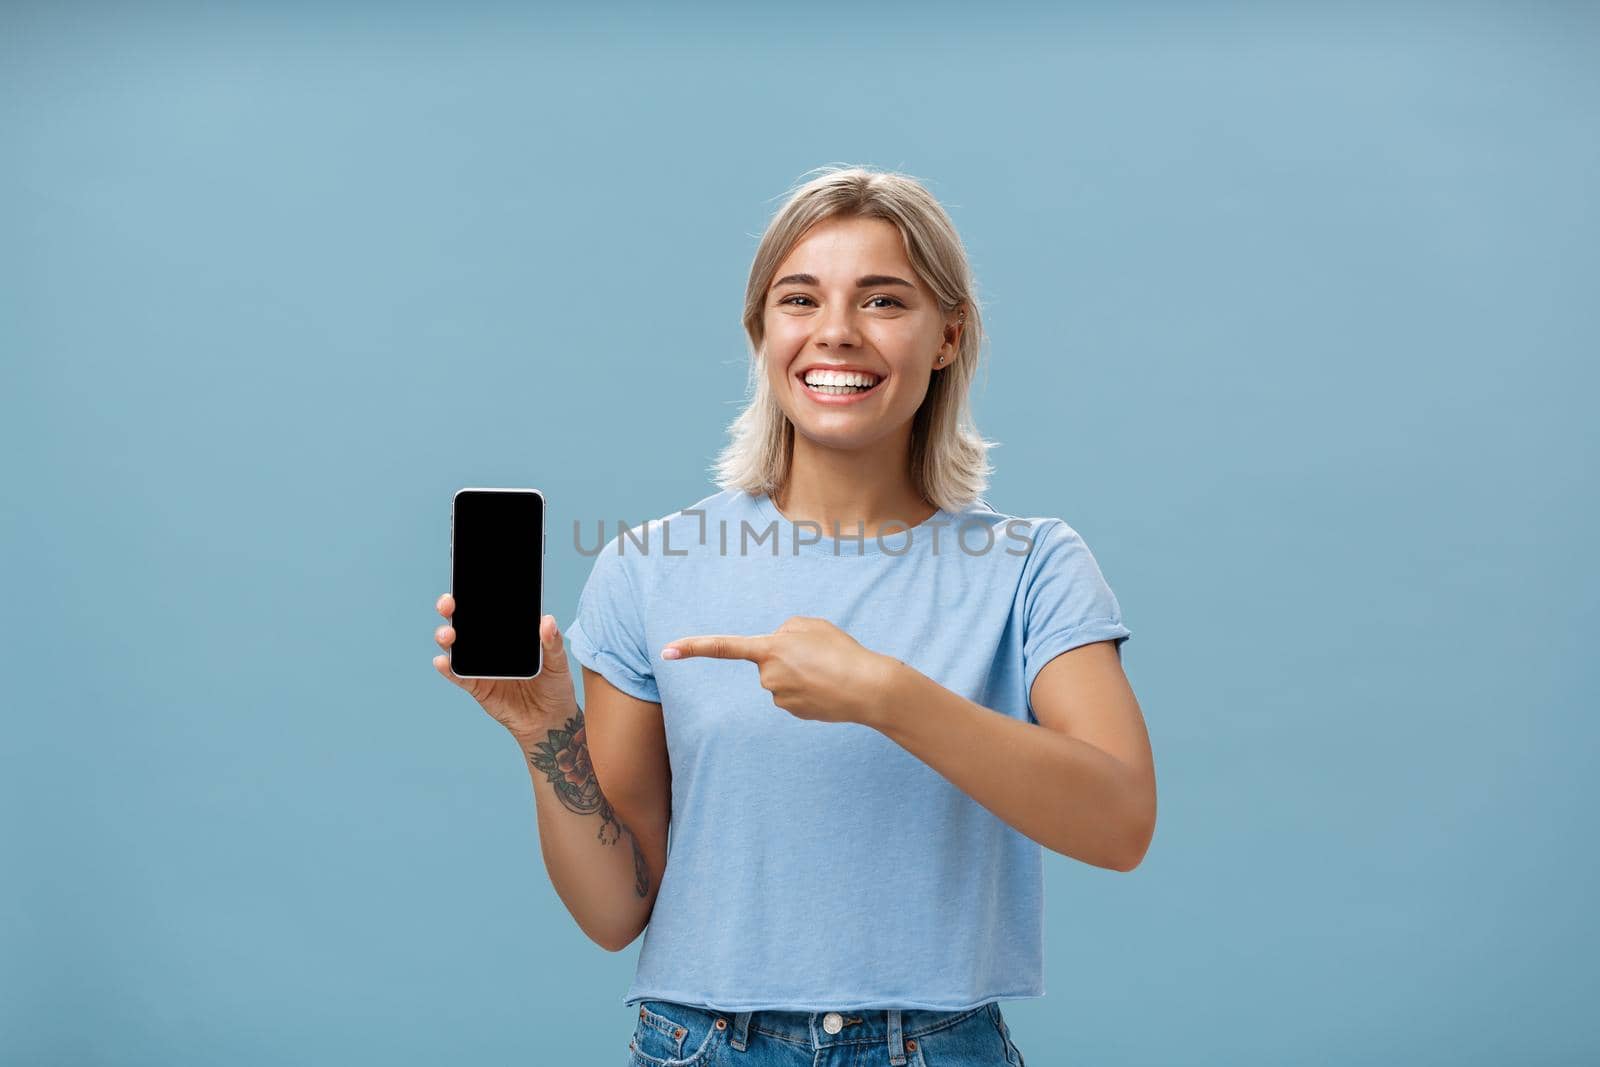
808, 1029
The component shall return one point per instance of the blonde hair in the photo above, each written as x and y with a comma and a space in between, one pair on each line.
949, 463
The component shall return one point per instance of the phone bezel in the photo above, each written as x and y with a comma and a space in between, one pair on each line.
544, 511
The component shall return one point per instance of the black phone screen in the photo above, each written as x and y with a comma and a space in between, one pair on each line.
497, 581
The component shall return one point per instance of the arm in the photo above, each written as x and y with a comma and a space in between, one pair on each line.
1081, 783
604, 850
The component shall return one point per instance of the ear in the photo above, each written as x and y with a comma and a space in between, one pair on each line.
954, 324
946, 353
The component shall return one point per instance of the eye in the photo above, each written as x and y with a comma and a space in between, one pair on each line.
798, 296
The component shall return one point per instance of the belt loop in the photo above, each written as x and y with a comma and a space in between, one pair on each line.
741, 1030
897, 1048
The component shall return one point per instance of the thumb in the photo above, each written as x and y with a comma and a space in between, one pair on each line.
552, 648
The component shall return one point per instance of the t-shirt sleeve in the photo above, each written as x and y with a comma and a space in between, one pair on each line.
1067, 602
607, 633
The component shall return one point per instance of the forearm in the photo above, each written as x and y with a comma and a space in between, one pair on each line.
1067, 795
593, 859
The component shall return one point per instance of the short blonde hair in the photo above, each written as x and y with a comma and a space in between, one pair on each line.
949, 458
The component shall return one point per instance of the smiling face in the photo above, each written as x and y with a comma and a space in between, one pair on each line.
846, 296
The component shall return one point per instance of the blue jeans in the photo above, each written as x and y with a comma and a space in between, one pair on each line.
681, 1035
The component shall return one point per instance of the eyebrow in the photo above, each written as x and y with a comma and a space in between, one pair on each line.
866, 281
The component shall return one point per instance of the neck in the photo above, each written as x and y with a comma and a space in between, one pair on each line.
827, 486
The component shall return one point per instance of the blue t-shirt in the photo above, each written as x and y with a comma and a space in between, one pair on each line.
819, 866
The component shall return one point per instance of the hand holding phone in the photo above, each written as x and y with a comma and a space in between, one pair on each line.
498, 646
528, 708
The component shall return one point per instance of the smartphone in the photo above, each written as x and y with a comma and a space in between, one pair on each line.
497, 542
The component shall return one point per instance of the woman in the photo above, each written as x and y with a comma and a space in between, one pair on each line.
937, 688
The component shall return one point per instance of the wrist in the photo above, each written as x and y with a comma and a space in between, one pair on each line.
528, 739
527, 742
888, 682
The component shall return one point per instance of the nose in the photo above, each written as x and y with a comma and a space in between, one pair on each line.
837, 328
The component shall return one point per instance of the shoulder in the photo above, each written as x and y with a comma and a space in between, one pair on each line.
1024, 535
635, 550
686, 530
1049, 544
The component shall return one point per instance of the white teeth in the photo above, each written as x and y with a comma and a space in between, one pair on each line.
832, 377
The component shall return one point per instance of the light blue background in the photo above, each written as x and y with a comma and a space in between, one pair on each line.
1292, 314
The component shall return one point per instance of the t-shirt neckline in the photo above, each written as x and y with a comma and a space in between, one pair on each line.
901, 542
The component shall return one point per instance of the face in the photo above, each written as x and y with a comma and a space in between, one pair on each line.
846, 296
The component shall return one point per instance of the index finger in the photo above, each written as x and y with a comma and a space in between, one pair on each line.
717, 646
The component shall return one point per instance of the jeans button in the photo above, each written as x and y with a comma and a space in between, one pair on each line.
833, 1022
